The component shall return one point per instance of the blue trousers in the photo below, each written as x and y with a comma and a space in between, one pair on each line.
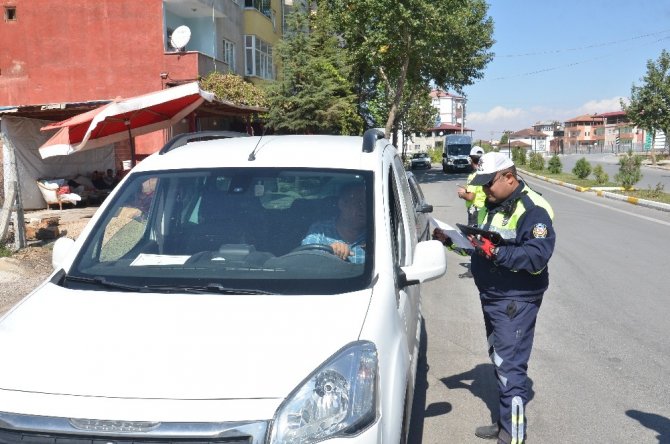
510, 328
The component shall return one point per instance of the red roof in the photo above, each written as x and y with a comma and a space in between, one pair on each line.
449, 127
439, 93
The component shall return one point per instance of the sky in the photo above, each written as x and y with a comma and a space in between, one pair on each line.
555, 60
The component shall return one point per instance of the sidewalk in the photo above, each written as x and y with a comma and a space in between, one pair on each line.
604, 193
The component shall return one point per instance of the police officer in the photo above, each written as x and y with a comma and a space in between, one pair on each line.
511, 276
473, 194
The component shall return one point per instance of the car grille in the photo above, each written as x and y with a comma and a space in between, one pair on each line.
461, 162
14, 437
25, 429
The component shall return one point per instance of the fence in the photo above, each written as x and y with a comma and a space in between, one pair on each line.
610, 148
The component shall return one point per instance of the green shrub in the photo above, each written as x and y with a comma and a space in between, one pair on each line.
4, 251
629, 170
519, 155
536, 162
554, 165
582, 168
600, 175
435, 155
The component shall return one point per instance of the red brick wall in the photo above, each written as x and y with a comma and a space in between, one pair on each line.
80, 50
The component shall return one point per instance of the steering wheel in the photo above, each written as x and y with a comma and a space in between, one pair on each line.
314, 247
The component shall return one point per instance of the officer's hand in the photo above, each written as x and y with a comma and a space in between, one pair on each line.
483, 246
440, 235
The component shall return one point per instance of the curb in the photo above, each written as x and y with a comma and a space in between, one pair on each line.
602, 193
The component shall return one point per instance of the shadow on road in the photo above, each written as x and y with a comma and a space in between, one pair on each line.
419, 410
655, 422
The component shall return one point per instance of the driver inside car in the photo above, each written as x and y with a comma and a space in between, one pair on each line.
345, 233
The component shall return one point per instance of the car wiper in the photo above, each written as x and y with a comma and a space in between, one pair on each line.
209, 288
101, 281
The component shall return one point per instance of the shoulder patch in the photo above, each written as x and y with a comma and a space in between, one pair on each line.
540, 230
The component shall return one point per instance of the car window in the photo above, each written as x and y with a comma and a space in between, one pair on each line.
269, 229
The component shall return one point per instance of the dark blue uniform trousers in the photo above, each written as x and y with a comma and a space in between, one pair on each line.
510, 327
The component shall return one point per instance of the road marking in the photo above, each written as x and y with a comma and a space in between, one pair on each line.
650, 219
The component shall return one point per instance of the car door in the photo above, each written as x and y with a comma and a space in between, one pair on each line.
404, 240
421, 209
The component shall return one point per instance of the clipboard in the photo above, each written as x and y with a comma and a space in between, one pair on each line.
459, 240
493, 236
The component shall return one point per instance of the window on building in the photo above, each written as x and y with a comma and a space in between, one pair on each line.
258, 58
263, 6
229, 53
10, 13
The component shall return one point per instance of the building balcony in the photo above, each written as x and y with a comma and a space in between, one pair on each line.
190, 65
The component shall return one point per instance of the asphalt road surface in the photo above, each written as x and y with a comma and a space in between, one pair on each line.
600, 367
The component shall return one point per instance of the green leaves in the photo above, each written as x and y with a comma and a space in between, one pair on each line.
234, 89
649, 106
313, 93
402, 45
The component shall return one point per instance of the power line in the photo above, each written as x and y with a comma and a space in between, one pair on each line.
596, 45
569, 65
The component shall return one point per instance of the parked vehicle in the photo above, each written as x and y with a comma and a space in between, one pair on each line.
456, 151
420, 160
188, 310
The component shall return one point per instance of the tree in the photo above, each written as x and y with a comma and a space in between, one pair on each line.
407, 45
649, 106
505, 138
314, 93
233, 88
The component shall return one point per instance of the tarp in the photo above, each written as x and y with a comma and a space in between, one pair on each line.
25, 137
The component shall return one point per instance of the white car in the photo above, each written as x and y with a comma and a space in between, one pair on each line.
189, 311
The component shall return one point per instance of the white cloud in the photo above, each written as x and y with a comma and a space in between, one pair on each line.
601, 106
495, 114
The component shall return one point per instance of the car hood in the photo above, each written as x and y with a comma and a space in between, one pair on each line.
117, 344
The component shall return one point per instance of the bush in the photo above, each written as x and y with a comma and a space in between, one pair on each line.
629, 170
536, 162
554, 165
4, 250
435, 154
519, 156
582, 168
601, 176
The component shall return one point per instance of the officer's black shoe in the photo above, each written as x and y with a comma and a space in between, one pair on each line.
488, 431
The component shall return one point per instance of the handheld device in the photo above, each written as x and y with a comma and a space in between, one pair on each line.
494, 237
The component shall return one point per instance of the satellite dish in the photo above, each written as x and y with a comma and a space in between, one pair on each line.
180, 37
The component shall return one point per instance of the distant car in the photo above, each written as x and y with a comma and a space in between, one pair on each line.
189, 310
420, 160
421, 209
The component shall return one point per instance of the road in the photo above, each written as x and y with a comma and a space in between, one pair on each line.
650, 176
601, 360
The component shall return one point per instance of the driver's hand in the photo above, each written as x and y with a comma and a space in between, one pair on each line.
341, 250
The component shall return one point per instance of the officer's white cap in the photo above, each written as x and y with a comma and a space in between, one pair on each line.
489, 165
476, 151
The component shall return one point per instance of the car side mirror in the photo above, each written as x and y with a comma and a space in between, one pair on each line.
424, 208
62, 249
430, 262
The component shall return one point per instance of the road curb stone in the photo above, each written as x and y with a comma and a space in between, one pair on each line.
601, 193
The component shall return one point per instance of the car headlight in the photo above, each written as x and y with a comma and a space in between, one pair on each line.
337, 399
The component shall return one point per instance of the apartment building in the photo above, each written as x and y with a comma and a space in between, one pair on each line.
83, 52
451, 116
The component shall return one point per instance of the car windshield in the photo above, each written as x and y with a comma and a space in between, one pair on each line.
459, 150
260, 230
420, 155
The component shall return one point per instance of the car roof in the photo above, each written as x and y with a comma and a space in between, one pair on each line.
304, 151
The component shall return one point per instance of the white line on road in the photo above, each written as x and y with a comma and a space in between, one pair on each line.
571, 195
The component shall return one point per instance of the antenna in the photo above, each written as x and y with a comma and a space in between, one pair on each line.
252, 155
180, 37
